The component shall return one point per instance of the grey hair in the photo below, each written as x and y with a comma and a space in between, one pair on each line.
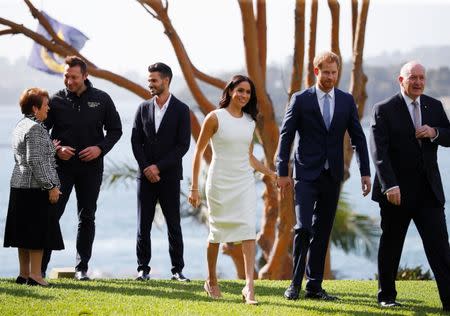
405, 71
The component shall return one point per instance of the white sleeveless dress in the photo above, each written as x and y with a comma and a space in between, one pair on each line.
230, 185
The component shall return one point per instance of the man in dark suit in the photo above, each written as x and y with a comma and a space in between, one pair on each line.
405, 133
160, 138
320, 116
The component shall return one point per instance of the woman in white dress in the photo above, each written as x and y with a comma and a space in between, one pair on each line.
230, 185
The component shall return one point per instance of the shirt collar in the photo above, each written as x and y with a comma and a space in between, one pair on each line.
321, 94
165, 105
408, 100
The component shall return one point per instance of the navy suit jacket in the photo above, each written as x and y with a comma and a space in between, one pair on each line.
316, 143
399, 159
166, 147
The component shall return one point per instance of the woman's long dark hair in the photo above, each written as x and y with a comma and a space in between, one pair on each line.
251, 107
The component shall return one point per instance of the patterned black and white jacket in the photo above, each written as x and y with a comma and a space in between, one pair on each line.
34, 155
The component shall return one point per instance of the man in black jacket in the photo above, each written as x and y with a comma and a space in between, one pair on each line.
160, 138
77, 117
406, 131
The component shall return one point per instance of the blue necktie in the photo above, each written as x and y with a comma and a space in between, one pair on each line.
326, 110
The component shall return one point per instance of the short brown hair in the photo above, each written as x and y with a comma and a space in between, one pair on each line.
328, 57
32, 97
73, 61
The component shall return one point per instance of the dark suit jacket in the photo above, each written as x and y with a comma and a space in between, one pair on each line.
316, 143
166, 147
399, 159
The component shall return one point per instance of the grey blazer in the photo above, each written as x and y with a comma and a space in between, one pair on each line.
34, 155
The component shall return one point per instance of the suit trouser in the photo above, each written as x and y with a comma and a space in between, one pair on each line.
87, 179
315, 209
167, 193
429, 218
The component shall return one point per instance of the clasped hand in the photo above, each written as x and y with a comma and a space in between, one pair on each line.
425, 131
67, 152
152, 173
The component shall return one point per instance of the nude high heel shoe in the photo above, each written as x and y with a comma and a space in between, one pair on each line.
246, 297
212, 291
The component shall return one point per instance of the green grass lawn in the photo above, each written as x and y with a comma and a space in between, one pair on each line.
165, 297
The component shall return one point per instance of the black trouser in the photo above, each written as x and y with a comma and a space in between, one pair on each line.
167, 193
315, 209
429, 217
87, 179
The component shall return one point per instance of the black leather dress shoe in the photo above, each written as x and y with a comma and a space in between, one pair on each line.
389, 304
292, 292
180, 277
81, 276
321, 295
33, 282
143, 276
21, 280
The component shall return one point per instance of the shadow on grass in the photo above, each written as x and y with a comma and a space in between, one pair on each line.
23, 291
353, 303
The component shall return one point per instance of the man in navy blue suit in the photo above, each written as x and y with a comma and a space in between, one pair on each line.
320, 116
160, 138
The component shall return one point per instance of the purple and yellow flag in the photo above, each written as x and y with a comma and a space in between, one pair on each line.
43, 59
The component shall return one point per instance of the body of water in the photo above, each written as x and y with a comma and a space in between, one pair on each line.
114, 246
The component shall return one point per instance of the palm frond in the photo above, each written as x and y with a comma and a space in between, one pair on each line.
118, 173
354, 233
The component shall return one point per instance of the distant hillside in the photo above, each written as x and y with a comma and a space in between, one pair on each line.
431, 56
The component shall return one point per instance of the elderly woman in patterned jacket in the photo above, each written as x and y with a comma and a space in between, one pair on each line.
31, 223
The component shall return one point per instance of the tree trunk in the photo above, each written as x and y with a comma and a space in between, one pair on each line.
266, 128
279, 262
299, 48
335, 11
310, 77
279, 265
261, 26
358, 79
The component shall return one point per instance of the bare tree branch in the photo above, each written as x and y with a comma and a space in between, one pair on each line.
7, 31
185, 63
148, 11
64, 52
218, 83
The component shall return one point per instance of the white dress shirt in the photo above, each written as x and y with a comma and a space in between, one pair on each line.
160, 111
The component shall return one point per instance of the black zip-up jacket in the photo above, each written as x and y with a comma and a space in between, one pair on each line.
78, 121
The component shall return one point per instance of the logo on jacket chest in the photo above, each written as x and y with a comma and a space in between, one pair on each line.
93, 104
